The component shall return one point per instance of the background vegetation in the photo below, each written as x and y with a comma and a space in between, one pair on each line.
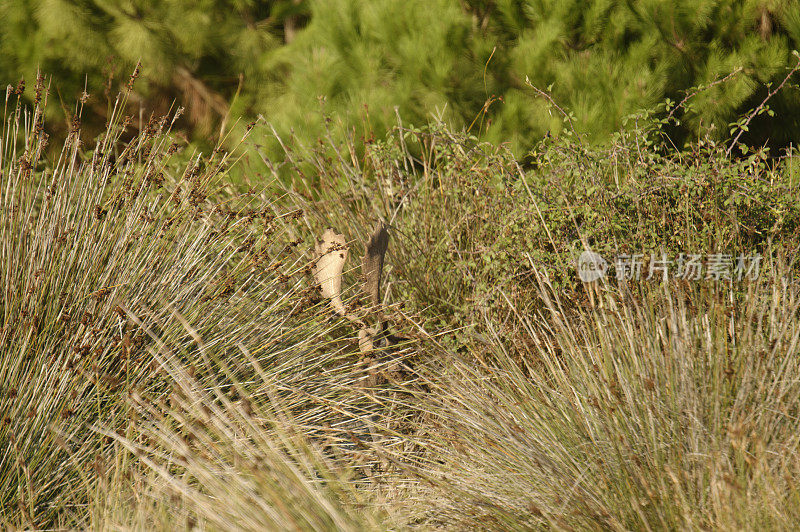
167, 360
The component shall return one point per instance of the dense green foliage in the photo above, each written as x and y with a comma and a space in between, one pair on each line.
195, 53
601, 60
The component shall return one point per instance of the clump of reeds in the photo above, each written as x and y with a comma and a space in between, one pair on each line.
133, 277
254, 443
93, 238
674, 406
288, 436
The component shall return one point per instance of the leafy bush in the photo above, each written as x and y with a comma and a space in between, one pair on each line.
471, 223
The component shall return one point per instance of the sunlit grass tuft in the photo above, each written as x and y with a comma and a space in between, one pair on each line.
167, 360
671, 407
91, 240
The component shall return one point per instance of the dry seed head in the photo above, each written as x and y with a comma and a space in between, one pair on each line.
39, 88
134, 75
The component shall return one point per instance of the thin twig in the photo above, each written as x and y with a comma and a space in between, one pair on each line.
756, 111
701, 88
549, 98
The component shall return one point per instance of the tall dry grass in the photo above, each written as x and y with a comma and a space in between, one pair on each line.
98, 248
672, 407
166, 360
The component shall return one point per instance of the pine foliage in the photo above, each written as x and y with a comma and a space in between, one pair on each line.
602, 60
199, 54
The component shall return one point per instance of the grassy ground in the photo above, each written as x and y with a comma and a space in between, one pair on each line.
166, 360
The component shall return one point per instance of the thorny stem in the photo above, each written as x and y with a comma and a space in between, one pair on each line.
692, 94
756, 111
552, 102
